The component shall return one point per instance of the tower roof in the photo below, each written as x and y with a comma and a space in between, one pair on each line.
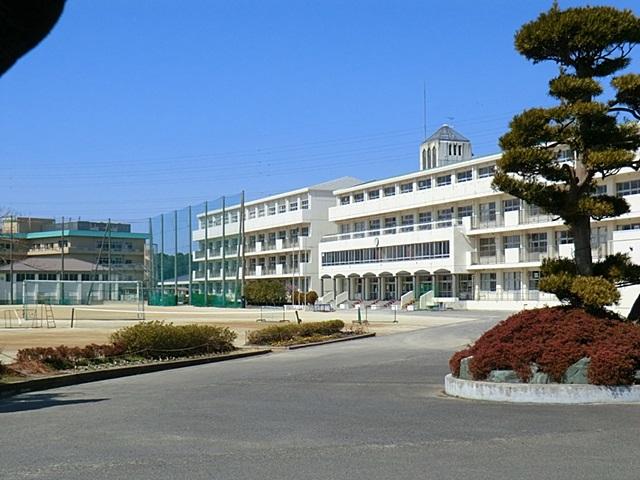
445, 132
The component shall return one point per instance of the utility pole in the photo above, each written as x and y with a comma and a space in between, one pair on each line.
190, 256
175, 251
242, 245
206, 252
162, 259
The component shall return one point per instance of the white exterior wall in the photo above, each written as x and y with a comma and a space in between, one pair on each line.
258, 221
512, 265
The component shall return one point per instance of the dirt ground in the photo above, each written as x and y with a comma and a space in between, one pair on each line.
95, 324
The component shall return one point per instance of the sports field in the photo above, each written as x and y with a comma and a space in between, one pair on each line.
94, 324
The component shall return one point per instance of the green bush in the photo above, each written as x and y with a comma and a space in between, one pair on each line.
265, 292
159, 339
284, 333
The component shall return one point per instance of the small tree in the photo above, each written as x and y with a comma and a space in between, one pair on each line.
265, 292
588, 44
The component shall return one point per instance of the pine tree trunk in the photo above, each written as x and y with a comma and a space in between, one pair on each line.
581, 231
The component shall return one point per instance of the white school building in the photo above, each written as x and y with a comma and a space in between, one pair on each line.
442, 236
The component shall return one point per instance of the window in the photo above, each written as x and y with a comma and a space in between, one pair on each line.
345, 200
70, 276
282, 234
261, 211
304, 204
484, 172
304, 232
631, 187
47, 276
564, 238
487, 212
511, 205
534, 280
511, 281
358, 197
465, 211
424, 184
444, 218
511, 241
487, 247
406, 187
488, 282
389, 191
359, 227
374, 227
293, 206
407, 223
282, 208
373, 194
443, 180
393, 253
389, 224
538, 242
424, 221
272, 210
465, 176
601, 190
629, 226
252, 213
21, 277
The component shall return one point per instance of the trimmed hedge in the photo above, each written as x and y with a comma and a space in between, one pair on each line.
283, 333
64, 357
554, 339
158, 339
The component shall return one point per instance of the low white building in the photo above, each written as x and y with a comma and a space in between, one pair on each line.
282, 233
442, 235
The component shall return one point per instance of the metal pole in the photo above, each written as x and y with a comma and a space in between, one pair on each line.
11, 299
162, 259
175, 251
152, 276
109, 256
61, 300
190, 255
206, 252
224, 254
243, 245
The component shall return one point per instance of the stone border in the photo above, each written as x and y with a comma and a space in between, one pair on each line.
8, 389
333, 340
540, 393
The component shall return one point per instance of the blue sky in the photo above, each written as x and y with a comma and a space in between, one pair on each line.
132, 108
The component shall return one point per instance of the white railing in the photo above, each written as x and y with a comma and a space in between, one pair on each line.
396, 229
426, 300
327, 298
341, 298
407, 299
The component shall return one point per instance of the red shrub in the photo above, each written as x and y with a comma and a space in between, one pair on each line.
555, 338
64, 357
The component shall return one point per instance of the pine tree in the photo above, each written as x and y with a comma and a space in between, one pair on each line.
589, 45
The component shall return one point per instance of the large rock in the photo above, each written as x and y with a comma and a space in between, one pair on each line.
577, 373
465, 374
537, 376
503, 376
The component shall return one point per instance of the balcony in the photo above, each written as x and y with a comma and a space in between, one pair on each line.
394, 230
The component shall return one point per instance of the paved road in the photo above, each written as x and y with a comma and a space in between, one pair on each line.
371, 409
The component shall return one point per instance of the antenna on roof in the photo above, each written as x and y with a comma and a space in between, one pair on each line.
424, 107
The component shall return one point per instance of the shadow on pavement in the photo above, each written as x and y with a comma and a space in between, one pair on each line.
25, 402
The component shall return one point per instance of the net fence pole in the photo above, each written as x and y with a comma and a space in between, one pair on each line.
175, 251
239, 245
61, 299
224, 253
11, 286
243, 245
206, 252
151, 272
162, 257
190, 226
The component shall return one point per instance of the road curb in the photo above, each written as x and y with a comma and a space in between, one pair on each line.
326, 342
8, 389
549, 393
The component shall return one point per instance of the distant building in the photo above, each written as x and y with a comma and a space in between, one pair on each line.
39, 249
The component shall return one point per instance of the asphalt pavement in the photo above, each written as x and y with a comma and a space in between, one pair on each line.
367, 409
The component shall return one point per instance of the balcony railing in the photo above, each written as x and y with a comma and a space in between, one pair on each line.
394, 230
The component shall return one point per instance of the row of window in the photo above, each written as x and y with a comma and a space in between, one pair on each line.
395, 253
74, 277
258, 211
511, 281
421, 184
